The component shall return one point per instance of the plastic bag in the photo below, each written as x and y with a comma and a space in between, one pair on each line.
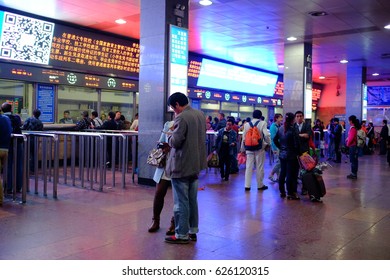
307, 162
241, 158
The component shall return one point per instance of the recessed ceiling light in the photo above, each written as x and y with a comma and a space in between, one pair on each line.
318, 13
120, 21
343, 61
375, 74
292, 38
321, 77
280, 65
205, 2
387, 26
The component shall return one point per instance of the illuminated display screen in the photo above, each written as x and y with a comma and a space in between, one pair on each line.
28, 40
51, 76
218, 75
25, 39
178, 59
232, 97
82, 50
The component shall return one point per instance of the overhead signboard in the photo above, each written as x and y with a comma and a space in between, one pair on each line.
59, 77
30, 40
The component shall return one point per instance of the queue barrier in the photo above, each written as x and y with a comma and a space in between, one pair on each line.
83, 156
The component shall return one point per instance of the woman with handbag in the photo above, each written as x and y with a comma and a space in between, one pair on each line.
163, 182
287, 141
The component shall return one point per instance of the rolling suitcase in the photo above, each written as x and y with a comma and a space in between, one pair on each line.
314, 184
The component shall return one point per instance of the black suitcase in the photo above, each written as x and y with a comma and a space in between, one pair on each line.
314, 184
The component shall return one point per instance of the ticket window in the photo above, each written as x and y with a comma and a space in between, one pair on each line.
210, 108
246, 111
230, 109
20, 95
76, 100
123, 101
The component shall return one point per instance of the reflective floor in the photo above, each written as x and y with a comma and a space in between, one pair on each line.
353, 222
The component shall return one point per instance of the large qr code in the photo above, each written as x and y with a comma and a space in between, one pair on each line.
26, 39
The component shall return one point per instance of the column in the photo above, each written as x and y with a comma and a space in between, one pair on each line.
355, 78
297, 78
156, 16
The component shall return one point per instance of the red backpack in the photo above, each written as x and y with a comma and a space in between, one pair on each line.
253, 139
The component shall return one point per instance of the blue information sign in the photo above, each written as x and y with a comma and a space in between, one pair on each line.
45, 102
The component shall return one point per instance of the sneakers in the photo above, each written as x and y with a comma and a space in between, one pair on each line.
293, 197
315, 199
193, 237
352, 176
264, 187
173, 240
272, 179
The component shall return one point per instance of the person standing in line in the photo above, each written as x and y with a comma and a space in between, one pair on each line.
85, 122
16, 124
287, 141
337, 134
95, 121
331, 149
351, 143
221, 121
225, 144
384, 134
33, 124
5, 138
162, 184
305, 133
278, 118
134, 124
186, 159
255, 156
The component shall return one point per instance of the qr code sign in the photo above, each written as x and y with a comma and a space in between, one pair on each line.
26, 39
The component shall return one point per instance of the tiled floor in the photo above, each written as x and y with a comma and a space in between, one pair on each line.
353, 222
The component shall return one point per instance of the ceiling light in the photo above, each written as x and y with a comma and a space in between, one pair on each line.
375, 74
318, 13
205, 2
292, 38
280, 65
120, 21
387, 26
343, 61
321, 77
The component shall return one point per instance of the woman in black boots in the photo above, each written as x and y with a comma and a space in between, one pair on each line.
163, 182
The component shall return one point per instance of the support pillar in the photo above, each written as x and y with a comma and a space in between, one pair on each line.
297, 78
156, 16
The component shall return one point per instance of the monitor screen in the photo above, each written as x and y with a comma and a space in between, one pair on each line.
219, 75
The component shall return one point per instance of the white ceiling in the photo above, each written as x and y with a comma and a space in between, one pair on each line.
253, 32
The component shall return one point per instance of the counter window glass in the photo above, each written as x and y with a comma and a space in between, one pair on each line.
74, 100
19, 94
122, 101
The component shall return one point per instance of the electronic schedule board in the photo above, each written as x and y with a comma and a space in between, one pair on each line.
29, 40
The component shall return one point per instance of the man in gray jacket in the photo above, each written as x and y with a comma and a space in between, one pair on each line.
186, 159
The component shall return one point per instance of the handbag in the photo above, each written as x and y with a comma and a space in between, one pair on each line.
213, 160
157, 158
307, 162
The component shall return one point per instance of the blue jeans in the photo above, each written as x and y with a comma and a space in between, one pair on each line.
185, 209
353, 158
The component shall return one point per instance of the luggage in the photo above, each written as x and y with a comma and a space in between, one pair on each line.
314, 184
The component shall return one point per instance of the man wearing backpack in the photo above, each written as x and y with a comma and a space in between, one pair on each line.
255, 149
